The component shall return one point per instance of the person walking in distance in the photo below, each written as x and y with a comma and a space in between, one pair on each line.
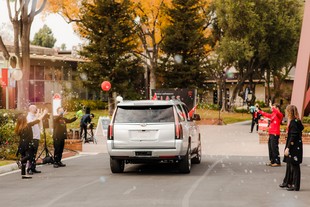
59, 135
274, 134
32, 116
255, 117
293, 152
25, 147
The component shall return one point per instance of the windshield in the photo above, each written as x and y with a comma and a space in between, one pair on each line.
144, 114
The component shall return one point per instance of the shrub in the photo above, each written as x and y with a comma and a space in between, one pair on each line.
208, 106
8, 140
306, 120
261, 104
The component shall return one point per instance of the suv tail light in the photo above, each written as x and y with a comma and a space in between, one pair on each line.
178, 131
110, 132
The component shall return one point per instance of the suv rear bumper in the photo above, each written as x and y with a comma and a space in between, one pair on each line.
148, 153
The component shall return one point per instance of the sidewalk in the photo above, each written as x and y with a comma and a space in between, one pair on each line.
88, 148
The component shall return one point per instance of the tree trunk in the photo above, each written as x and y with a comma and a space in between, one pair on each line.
23, 85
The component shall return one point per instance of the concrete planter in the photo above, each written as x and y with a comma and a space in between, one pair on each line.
264, 136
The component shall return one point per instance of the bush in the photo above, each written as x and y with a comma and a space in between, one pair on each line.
261, 104
208, 106
241, 110
8, 140
306, 120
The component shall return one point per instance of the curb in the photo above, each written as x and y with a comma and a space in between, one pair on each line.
12, 167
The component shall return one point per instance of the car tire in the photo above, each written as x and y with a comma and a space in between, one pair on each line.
185, 164
117, 166
197, 158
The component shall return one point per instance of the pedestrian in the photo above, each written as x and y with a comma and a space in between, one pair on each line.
293, 152
255, 117
86, 122
59, 135
274, 134
31, 116
25, 147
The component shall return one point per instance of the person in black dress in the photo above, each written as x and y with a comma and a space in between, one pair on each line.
293, 152
25, 147
59, 135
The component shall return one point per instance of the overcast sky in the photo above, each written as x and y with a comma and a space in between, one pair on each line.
62, 31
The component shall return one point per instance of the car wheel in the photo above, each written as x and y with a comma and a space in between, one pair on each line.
185, 164
197, 158
117, 166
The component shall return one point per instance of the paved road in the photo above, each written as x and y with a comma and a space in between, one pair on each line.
232, 173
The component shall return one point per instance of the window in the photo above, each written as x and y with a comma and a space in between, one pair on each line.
36, 84
36, 91
144, 114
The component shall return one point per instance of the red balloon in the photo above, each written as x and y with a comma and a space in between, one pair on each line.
106, 85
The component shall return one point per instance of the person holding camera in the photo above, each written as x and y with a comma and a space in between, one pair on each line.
32, 116
86, 122
24, 130
59, 135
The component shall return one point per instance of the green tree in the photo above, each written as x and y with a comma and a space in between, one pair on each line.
184, 45
44, 37
259, 37
108, 26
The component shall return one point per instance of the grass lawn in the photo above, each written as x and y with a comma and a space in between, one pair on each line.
227, 117
5, 162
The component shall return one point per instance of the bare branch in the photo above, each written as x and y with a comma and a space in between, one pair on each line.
41, 8
4, 49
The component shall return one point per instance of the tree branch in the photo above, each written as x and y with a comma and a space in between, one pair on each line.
4, 49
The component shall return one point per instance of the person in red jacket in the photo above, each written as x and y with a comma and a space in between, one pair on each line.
274, 134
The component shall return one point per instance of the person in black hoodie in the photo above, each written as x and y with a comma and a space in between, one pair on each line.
25, 147
293, 152
86, 122
59, 135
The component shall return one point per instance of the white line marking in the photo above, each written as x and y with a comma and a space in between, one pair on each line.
185, 201
130, 190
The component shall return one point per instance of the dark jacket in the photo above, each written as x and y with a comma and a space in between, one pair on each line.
26, 137
85, 120
294, 142
256, 116
275, 120
60, 128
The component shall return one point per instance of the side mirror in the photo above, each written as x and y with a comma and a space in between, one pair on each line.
196, 117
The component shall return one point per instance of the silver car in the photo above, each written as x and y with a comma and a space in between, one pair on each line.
153, 131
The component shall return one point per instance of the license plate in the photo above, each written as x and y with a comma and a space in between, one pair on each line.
144, 153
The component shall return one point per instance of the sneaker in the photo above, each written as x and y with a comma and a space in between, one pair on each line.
275, 165
29, 172
36, 171
60, 164
26, 177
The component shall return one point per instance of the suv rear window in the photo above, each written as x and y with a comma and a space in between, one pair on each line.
144, 114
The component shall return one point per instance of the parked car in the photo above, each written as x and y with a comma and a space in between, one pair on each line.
153, 131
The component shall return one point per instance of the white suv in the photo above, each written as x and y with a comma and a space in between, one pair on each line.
144, 131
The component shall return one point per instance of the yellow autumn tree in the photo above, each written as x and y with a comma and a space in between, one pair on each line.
149, 18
